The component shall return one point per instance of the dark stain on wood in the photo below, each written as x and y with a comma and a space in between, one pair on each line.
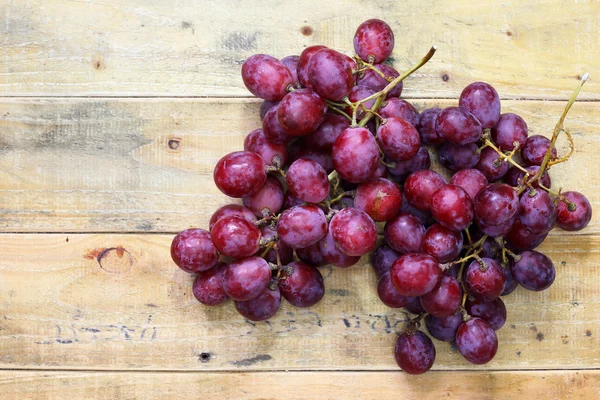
588, 333
240, 41
306, 30
339, 292
540, 336
102, 253
251, 361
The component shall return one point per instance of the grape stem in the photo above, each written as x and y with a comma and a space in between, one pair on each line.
342, 195
505, 157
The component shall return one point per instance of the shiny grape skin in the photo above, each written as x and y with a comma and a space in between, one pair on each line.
388, 294
494, 230
496, 204
304, 288
476, 341
445, 299
333, 255
445, 328
266, 77
491, 165
355, 155
382, 260
458, 157
534, 271
193, 250
510, 129
311, 255
394, 107
379, 198
265, 107
231, 209
299, 149
208, 286
262, 307
256, 142
452, 207
374, 41
301, 226
485, 285
246, 278
519, 238
537, 211
426, 127
442, 243
414, 352
399, 140
404, 233
301, 112
291, 63
356, 94
267, 200
290, 201
535, 149
374, 81
511, 283
420, 186
471, 180
235, 236
330, 74
404, 168
493, 312
273, 132
307, 180
240, 173
490, 248
415, 274
481, 100
324, 136
286, 253
458, 126
302, 66
514, 177
414, 306
354, 231
574, 220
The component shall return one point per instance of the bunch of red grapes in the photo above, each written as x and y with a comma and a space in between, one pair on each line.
339, 154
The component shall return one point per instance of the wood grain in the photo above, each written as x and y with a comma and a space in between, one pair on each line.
114, 165
186, 48
563, 385
118, 302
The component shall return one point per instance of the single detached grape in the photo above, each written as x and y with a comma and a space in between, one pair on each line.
514, 177
444, 328
575, 219
273, 132
471, 180
442, 243
330, 74
302, 66
452, 207
537, 212
379, 198
311, 255
266, 77
426, 127
491, 165
304, 287
307, 180
376, 82
509, 129
262, 307
477, 341
301, 112
415, 274
271, 153
420, 186
394, 107
481, 100
457, 157
535, 149
353, 231
399, 140
247, 278
382, 260
301, 226
291, 62
355, 155
235, 236
404, 168
332, 253
485, 282
240, 173
208, 286
388, 294
534, 271
496, 204
193, 250
493, 312
404, 233
415, 352
324, 136
267, 200
286, 253
445, 299
374, 41
231, 209
458, 126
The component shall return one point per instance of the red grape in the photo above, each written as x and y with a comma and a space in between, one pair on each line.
311, 255
324, 137
420, 186
290, 201
235, 236
302, 66
330, 74
444, 328
388, 294
476, 341
376, 82
414, 306
298, 149
262, 307
442, 243
511, 283
354, 231
273, 132
267, 200
535, 149
307, 180
414, 352
379, 198
193, 250
266, 106
231, 209
514, 177
426, 127
510, 129
240, 173
291, 62
404, 168
452, 207
247, 278
304, 287
537, 212
458, 126
266, 77
399, 140
355, 155
286, 253
301, 226
445, 299
491, 165
256, 142
496, 204
471, 180
485, 282
333, 255
404, 233
374, 41
382, 260
356, 94
208, 286
457, 157
534, 271
394, 107
577, 219
494, 230
481, 100
301, 112
415, 274
493, 312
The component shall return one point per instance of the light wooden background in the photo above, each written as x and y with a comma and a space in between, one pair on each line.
112, 115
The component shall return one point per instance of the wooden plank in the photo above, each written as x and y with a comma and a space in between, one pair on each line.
117, 165
61, 309
111, 47
564, 385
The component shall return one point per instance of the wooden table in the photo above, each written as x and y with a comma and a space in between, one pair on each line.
113, 114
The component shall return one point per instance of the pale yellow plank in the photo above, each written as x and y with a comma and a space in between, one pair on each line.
109, 165
113, 47
60, 309
563, 385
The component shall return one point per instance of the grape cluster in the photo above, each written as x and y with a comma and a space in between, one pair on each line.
341, 167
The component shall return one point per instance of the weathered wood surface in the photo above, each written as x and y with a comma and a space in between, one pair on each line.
563, 385
118, 302
114, 165
190, 48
